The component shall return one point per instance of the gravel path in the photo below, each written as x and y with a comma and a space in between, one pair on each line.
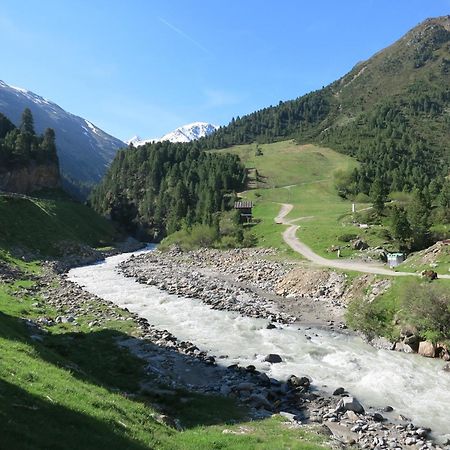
291, 239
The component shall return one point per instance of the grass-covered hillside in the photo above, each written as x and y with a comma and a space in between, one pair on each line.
304, 176
46, 223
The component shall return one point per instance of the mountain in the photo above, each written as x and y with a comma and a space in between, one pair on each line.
392, 112
186, 133
84, 150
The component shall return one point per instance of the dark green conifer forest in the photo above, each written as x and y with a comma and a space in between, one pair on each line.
156, 189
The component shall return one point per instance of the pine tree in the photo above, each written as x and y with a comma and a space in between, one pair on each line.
419, 219
400, 227
27, 125
377, 193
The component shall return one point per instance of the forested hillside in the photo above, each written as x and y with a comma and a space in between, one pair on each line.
392, 112
155, 189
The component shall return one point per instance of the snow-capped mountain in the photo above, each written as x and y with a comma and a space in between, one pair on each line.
84, 150
186, 133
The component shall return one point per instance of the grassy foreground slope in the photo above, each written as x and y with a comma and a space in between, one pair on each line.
46, 222
303, 176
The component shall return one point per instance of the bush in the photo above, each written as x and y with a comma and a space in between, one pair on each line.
188, 239
427, 307
362, 198
372, 318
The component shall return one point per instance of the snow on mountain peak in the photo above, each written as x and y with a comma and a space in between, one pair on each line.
185, 133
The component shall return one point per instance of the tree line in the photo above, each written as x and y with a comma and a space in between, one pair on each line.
21, 146
159, 188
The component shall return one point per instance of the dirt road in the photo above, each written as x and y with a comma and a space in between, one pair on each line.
291, 239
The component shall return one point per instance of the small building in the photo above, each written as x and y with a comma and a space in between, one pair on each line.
245, 210
394, 259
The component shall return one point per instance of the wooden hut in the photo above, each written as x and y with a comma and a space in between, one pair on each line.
245, 210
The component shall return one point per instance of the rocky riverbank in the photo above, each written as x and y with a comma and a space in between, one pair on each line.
180, 364
246, 281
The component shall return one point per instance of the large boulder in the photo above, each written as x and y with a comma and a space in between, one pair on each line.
273, 358
349, 404
427, 348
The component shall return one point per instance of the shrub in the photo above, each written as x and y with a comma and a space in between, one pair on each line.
427, 307
362, 198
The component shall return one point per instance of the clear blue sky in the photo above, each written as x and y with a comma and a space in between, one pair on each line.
146, 67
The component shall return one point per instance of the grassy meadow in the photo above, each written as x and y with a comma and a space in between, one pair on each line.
303, 176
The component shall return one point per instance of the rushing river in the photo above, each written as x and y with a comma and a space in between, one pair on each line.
416, 387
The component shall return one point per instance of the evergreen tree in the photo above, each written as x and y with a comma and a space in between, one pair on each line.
377, 193
418, 214
27, 125
400, 227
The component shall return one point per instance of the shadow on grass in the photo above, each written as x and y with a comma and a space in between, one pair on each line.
29, 422
95, 358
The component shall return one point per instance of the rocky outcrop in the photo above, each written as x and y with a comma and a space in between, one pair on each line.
34, 177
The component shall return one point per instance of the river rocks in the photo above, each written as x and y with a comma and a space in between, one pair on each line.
273, 358
244, 280
349, 404
294, 381
382, 343
427, 348
339, 391
231, 280
402, 347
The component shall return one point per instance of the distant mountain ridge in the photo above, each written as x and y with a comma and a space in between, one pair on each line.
186, 133
84, 150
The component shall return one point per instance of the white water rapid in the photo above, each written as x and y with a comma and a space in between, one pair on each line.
416, 387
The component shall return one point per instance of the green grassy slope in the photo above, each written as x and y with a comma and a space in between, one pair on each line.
303, 176
42, 223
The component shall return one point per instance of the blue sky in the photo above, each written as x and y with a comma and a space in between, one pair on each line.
146, 67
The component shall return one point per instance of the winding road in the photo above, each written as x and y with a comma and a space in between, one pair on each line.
291, 239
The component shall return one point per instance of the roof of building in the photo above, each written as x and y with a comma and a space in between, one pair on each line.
243, 205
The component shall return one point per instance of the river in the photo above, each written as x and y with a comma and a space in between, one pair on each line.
414, 386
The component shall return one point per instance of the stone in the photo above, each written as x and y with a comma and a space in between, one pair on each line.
427, 348
287, 415
339, 391
359, 244
402, 347
263, 379
259, 401
273, 358
293, 381
349, 404
388, 409
245, 386
446, 368
378, 417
